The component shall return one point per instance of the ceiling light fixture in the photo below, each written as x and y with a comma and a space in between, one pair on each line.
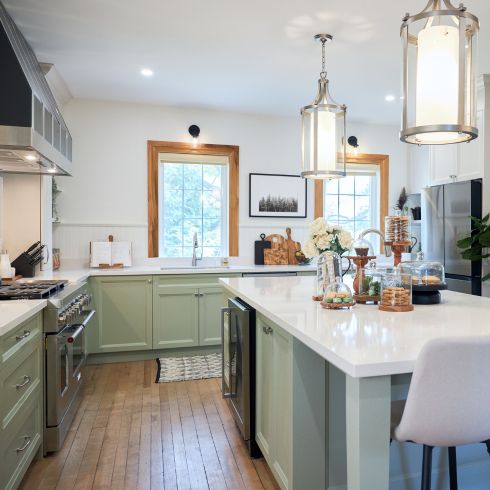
439, 98
31, 158
323, 131
146, 72
390, 98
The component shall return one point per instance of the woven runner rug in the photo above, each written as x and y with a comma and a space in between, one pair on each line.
188, 368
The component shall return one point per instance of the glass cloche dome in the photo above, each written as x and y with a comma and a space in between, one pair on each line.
338, 295
424, 272
361, 247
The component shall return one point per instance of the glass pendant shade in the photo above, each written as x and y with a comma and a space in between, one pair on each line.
439, 99
323, 134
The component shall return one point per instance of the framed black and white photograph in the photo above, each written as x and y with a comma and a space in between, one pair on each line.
277, 196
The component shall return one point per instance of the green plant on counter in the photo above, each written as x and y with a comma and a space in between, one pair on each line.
474, 246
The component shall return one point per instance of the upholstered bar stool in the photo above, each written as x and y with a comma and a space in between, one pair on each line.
448, 403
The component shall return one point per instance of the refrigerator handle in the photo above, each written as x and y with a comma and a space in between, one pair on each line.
225, 311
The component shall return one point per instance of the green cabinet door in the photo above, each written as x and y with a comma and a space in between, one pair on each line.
282, 406
175, 316
124, 314
211, 300
264, 387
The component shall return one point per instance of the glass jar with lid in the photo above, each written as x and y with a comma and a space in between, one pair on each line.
396, 292
428, 278
369, 285
329, 266
338, 295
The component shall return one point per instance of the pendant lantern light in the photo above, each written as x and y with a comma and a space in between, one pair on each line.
438, 85
323, 131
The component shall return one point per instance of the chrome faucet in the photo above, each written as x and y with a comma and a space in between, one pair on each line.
195, 244
377, 232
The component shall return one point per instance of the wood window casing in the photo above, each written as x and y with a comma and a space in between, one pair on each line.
383, 163
230, 151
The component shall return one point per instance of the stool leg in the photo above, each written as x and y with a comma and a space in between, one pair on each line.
453, 469
427, 467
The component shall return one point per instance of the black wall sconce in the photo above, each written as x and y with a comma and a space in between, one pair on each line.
194, 131
352, 140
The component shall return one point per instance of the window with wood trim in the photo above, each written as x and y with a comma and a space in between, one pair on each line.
192, 190
360, 200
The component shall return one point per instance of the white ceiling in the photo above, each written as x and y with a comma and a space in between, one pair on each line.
253, 56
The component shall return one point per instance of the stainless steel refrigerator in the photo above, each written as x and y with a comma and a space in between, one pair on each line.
446, 211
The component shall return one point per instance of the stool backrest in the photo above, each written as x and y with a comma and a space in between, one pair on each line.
448, 402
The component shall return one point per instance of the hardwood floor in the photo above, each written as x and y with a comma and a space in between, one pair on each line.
131, 433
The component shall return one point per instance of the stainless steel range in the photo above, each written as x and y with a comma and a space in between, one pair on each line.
66, 319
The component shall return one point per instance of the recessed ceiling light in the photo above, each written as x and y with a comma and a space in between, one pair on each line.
31, 158
146, 72
390, 98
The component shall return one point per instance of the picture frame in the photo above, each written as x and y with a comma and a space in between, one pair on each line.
277, 196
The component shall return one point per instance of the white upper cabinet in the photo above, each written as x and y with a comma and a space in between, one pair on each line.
444, 163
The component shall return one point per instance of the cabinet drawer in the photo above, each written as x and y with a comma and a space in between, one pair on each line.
19, 379
20, 336
20, 443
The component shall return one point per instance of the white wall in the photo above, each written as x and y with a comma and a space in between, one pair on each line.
108, 191
21, 212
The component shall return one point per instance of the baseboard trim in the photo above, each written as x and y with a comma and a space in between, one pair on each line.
144, 355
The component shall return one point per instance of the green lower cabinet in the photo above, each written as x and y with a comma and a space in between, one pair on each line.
274, 399
211, 300
175, 316
124, 314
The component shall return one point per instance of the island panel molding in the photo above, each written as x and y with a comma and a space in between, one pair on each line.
230, 151
383, 162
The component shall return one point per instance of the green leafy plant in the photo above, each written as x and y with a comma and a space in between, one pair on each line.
475, 245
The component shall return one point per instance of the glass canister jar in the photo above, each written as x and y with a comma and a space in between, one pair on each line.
329, 266
338, 295
398, 228
370, 285
396, 292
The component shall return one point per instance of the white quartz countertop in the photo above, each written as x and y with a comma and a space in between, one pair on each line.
363, 341
82, 274
13, 313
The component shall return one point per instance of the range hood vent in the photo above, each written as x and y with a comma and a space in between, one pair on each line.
33, 135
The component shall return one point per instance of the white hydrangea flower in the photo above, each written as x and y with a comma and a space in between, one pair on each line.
317, 227
345, 239
310, 249
323, 241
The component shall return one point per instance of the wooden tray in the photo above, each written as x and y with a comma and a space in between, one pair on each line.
395, 309
337, 306
364, 298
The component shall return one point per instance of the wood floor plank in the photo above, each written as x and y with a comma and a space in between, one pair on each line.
212, 466
132, 433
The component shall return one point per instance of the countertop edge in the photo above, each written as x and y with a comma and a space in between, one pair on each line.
35, 307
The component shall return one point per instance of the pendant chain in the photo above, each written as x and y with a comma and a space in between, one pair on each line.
323, 73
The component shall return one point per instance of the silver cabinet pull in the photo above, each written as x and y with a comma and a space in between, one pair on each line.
28, 440
267, 330
27, 380
23, 336
149, 281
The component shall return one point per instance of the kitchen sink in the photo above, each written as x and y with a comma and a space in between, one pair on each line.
194, 268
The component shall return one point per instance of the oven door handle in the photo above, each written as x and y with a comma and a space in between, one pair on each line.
81, 327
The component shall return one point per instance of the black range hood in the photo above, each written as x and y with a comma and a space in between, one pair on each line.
34, 138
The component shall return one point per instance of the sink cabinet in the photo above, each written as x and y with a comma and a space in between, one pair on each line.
186, 311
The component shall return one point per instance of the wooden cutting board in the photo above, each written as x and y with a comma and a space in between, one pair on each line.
278, 253
292, 247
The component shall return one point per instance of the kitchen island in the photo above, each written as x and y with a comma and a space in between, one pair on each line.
368, 356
